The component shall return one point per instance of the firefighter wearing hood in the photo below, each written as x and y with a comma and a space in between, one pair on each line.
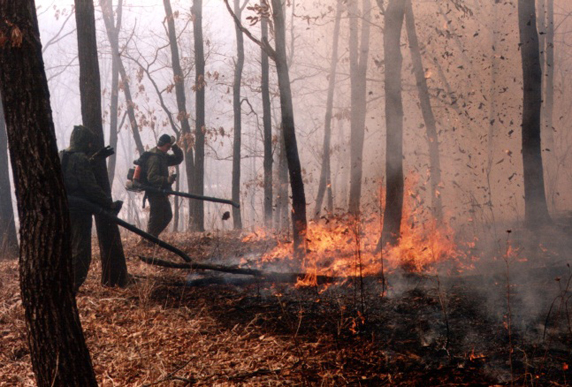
80, 181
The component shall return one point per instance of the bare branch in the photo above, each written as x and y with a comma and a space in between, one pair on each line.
159, 94
264, 45
244, 5
56, 38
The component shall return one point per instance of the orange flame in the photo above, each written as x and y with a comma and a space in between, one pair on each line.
345, 246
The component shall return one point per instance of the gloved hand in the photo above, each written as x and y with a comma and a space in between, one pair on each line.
103, 153
173, 141
116, 206
171, 179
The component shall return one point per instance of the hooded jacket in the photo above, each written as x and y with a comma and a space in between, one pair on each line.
79, 178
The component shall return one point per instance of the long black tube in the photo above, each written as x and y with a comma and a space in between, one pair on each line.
97, 210
199, 197
186, 195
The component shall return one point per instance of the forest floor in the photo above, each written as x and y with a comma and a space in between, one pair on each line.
498, 327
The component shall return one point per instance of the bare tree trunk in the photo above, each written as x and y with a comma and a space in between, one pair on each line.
236, 154
282, 203
113, 29
393, 213
176, 202
179, 81
58, 351
547, 130
343, 167
117, 65
541, 27
492, 116
325, 175
200, 128
267, 122
299, 224
427, 112
8, 238
535, 208
130, 108
114, 268
358, 70
549, 85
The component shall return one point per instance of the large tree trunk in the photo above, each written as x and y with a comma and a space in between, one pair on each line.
113, 29
282, 216
236, 154
57, 346
200, 128
393, 213
358, 70
179, 81
427, 112
267, 122
325, 174
535, 208
114, 268
547, 130
8, 239
549, 84
299, 223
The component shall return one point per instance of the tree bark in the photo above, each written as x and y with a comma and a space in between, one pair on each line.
57, 346
282, 216
267, 123
427, 112
393, 212
179, 81
325, 182
299, 224
114, 268
547, 130
358, 70
549, 84
130, 108
236, 154
200, 128
112, 28
535, 208
8, 238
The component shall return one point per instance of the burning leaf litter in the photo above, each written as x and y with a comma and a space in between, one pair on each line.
430, 328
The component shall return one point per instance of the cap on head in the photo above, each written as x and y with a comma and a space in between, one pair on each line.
164, 139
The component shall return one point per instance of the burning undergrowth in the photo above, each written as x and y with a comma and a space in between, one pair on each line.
435, 310
343, 246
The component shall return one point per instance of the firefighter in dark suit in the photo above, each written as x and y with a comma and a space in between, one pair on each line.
156, 167
80, 182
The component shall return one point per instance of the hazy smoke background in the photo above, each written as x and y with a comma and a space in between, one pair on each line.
471, 61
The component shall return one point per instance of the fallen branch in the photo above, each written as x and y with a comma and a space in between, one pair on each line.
201, 266
259, 274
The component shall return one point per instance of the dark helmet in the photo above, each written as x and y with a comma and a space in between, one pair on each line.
164, 139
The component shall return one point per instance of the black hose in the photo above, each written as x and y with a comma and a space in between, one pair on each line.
97, 210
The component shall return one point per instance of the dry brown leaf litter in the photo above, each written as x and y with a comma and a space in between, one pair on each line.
155, 334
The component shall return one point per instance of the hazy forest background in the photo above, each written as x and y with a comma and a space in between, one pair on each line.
471, 61
437, 105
